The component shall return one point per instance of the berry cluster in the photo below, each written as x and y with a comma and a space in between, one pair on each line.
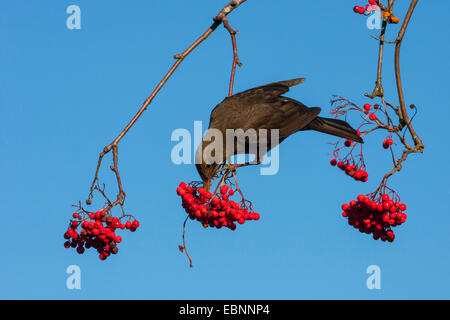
387, 143
367, 108
352, 170
374, 217
97, 231
366, 9
214, 210
352, 164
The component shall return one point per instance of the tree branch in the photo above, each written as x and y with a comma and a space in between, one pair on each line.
404, 118
179, 57
378, 91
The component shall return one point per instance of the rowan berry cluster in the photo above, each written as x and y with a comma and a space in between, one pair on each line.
352, 170
217, 210
377, 218
367, 109
352, 164
97, 231
367, 8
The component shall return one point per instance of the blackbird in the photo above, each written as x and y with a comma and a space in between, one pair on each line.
263, 107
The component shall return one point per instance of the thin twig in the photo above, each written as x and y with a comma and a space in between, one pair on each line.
236, 60
183, 248
378, 91
382, 6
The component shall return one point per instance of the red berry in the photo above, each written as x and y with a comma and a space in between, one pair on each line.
373, 116
80, 250
224, 189
180, 191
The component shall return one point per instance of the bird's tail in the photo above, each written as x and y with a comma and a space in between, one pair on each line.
334, 127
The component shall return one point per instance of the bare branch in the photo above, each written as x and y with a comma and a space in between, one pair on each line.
378, 91
404, 118
236, 60
179, 58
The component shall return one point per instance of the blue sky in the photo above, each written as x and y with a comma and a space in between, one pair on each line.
65, 94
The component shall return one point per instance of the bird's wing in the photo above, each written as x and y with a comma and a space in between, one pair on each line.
265, 92
285, 114
261, 95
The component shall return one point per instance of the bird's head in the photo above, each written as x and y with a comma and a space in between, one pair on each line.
207, 165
